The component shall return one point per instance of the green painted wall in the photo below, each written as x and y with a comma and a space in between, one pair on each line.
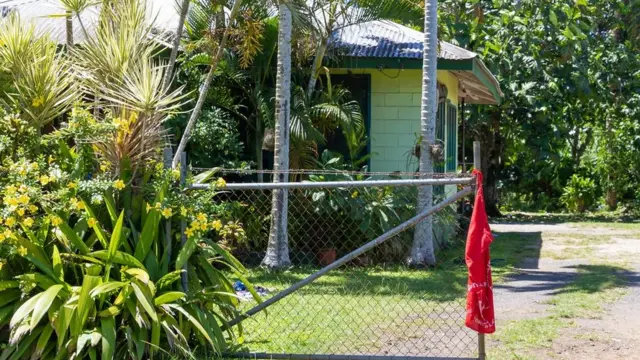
395, 115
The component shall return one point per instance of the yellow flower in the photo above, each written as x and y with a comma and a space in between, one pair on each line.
195, 224
220, 183
105, 166
217, 225
23, 188
354, 194
92, 222
119, 184
24, 199
175, 173
11, 201
202, 217
183, 211
28, 222
56, 221
33, 208
158, 206
2, 238
10, 222
22, 251
38, 101
10, 190
203, 226
21, 212
72, 185
80, 205
167, 213
149, 207
188, 232
34, 166
51, 159
2, 263
7, 234
22, 171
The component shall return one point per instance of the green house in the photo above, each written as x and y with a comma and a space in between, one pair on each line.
381, 63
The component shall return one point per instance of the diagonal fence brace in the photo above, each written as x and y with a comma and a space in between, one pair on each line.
352, 255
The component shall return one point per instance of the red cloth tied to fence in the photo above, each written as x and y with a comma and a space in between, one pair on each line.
480, 315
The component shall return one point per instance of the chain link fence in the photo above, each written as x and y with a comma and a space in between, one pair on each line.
373, 304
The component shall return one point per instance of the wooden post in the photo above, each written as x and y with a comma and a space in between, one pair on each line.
183, 223
477, 164
168, 157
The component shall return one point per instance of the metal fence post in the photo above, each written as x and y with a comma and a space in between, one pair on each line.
183, 222
477, 164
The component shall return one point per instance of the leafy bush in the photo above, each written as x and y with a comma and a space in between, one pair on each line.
579, 194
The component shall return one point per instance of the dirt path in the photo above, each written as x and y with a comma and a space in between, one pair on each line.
563, 249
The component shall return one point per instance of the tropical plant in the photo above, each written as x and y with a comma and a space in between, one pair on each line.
579, 194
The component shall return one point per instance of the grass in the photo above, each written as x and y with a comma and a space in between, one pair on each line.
402, 310
374, 310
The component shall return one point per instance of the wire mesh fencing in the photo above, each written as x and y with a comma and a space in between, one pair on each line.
374, 304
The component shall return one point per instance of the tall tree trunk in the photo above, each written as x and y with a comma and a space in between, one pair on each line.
69, 29
422, 251
204, 89
277, 255
317, 63
491, 144
184, 10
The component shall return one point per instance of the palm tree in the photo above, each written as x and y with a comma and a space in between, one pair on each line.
277, 255
422, 251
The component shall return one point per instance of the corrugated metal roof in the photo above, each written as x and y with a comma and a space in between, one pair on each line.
386, 39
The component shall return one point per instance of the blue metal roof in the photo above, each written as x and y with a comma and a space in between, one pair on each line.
386, 39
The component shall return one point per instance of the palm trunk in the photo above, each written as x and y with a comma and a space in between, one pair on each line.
204, 89
422, 251
277, 255
317, 63
69, 29
184, 10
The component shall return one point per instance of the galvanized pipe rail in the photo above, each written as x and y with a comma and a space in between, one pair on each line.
339, 184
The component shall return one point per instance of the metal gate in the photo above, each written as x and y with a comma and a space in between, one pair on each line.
347, 292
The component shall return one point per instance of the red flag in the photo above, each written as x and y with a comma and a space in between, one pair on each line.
480, 315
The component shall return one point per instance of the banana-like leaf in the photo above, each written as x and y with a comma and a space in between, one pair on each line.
110, 202
185, 253
155, 338
108, 331
139, 274
85, 304
97, 228
43, 304
63, 321
43, 281
5, 314
36, 256
24, 310
120, 257
8, 296
110, 312
144, 299
166, 281
168, 297
106, 288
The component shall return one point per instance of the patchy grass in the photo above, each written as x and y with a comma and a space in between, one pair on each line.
631, 226
594, 287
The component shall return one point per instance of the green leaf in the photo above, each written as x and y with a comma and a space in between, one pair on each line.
111, 206
57, 264
43, 340
148, 235
43, 304
165, 282
185, 253
553, 18
119, 258
36, 256
5, 314
8, 284
97, 228
85, 303
155, 338
73, 238
65, 314
108, 330
169, 297
193, 321
139, 274
106, 288
144, 298
8, 296
24, 310
116, 237
110, 312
